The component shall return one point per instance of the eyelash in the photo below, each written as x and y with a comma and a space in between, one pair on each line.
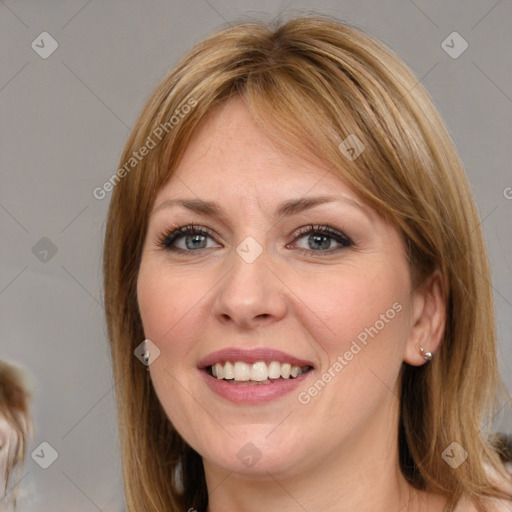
168, 238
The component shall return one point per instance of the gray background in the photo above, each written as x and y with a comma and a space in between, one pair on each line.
64, 120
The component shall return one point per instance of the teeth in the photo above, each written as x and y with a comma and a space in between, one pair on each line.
242, 371
257, 372
219, 371
274, 370
229, 371
294, 371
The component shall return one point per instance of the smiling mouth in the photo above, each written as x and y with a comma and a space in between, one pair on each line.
261, 372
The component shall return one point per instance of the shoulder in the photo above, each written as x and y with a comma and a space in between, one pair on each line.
497, 505
503, 483
492, 504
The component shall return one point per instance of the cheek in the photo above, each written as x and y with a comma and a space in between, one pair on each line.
358, 307
167, 301
363, 332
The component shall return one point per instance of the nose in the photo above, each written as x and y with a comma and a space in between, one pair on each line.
251, 294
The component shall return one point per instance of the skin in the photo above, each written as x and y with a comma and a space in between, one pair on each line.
339, 451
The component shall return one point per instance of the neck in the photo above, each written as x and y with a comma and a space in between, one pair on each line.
374, 490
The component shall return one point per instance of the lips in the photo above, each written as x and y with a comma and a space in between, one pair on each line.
248, 391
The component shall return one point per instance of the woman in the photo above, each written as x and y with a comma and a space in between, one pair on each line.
294, 253
15, 428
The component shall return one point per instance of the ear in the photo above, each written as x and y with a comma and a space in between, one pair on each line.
428, 319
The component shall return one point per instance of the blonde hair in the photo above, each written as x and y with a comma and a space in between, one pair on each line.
14, 407
310, 83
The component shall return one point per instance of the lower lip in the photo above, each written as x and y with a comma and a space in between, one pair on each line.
253, 394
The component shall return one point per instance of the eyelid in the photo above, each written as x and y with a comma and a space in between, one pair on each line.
167, 238
344, 241
324, 229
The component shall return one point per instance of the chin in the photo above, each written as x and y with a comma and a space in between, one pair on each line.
254, 455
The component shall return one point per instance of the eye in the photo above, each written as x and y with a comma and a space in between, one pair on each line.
192, 238
185, 238
322, 238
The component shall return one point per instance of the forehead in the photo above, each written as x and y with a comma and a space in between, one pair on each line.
230, 154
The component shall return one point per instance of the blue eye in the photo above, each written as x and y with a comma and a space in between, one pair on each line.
320, 238
195, 238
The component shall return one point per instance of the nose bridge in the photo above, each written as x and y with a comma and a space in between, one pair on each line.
250, 290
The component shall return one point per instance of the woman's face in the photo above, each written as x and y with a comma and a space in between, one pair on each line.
286, 268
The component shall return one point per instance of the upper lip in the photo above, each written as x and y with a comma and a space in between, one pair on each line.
251, 356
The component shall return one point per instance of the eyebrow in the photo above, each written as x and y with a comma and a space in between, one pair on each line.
291, 207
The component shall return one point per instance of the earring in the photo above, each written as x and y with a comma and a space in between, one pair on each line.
426, 355
145, 355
